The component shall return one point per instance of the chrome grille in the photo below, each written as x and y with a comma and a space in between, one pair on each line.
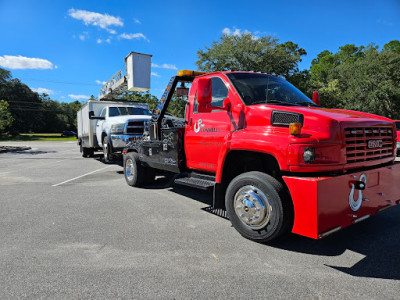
135, 127
368, 143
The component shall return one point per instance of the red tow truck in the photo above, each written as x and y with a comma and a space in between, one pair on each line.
276, 160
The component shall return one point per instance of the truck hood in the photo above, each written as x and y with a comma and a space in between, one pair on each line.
124, 119
340, 115
323, 124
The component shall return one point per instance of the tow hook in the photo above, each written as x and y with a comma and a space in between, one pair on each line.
359, 185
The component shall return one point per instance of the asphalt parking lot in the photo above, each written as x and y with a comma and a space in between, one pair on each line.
70, 227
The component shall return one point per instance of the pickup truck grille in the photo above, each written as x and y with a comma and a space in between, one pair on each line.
135, 127
368, 143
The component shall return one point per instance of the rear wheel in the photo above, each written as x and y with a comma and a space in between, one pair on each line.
85, 151
258, 207
133, 170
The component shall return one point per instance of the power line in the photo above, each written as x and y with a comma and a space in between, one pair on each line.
61, 82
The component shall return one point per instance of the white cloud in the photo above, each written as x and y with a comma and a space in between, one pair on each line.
226, 31
137, 21
164, 66
82, 36
78, 97
43, 91
129, 36
99, 41
100, 82
238, 32
234, 31
96, 19
22, 62
155, 74
384, 22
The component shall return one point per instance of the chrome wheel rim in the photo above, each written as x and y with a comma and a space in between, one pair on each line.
105, 151
129, 169
252, 207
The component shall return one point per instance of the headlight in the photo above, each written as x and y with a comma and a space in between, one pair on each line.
117, 128
309, 155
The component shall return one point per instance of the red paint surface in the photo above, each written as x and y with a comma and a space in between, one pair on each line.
322, 204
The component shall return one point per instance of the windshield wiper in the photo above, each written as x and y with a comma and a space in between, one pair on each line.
306, 103
272, 101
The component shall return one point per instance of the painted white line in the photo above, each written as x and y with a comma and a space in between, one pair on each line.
80, 176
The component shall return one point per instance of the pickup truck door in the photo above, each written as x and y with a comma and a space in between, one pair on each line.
205, 132
99, 127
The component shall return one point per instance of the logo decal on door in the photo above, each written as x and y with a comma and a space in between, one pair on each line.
198, 125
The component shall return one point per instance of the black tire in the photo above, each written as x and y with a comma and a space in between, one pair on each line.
85, 151
107, 150
258, 206
90, 152
134, 172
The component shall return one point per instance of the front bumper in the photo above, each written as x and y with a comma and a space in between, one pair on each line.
323, 205
120, 141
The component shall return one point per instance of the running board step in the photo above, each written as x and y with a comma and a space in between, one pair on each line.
198, 183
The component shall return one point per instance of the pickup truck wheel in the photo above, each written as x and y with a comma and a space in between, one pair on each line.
133, 170
258, 207
107, 150
85, 151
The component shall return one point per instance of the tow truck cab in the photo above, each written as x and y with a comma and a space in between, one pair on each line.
276, 160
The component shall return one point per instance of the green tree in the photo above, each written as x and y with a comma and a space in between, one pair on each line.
6, 118
359, 78
247, 52
24, 104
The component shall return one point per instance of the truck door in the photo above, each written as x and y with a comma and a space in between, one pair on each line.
205, 132
99, 127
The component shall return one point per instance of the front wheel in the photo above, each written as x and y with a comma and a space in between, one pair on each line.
133, 170
107, 150
258, 207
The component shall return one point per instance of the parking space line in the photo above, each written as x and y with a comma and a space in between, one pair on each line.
80, 176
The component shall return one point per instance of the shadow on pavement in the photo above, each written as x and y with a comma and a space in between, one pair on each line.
377, 238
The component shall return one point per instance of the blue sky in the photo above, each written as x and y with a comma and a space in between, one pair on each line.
68, 48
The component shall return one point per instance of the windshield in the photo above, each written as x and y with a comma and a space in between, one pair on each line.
397, 125
125, 111
261, 88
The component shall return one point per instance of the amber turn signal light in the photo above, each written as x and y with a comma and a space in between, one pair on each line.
295, 128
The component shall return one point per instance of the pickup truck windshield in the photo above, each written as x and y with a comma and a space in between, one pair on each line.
125, 111
261, 88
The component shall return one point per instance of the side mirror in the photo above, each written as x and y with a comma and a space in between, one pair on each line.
227, 104
93, 117
204, 95
315, 98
